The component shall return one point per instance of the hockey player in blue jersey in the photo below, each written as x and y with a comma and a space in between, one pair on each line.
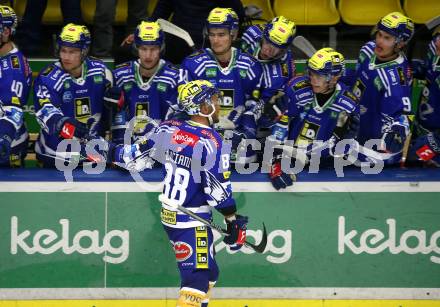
197, 175
237, 74
426, 147
149, 84
320, 108
15, 83
270, 45
383, 86
68, 95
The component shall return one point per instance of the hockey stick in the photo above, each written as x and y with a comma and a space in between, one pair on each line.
172, 203
176, 31
304, 45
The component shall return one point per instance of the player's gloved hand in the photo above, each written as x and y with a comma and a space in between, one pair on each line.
114, 99
276, 106
5, 148
394, 139
426, 147
95, 149
132, 158
68, 128
279, 179
236, 228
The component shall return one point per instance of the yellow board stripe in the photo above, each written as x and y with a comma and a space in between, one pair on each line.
224, 303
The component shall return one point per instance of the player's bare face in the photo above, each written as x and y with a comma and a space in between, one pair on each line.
269, 51
220, 40
437, 45
385, 46
70, 58
319, 83
216, 104
149, 56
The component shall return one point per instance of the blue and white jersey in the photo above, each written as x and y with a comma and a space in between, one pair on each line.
276, 73
196, 166
239, 81
383, 90
57, 94
145, 100
310, 121
428, 114
15, 84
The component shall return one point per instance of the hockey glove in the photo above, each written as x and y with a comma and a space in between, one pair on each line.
236, 229
69, 127
426, 147
5, 148
394, 139
279, 179
114, 99
276, 106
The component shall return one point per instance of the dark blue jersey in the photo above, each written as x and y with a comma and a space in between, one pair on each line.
15, 84
57, 94
238, 82
310, 121
196, 166
276, 73
428, 114
145, 99
383, 90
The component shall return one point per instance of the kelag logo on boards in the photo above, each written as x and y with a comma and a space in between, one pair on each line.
373, 241
277, 254
48, 241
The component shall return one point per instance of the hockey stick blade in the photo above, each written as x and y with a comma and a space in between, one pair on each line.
176, 31
257, 248
304, 45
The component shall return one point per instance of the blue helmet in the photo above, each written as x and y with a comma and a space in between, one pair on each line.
398, 25
223, 18
194, 93
280, 32
8, 19
149, 33
76, 36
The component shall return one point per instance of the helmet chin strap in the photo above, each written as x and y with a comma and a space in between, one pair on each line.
209, 116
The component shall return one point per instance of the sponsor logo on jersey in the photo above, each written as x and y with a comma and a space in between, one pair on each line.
183, 137
210, 136
377, 83
168, 216
202, 245
98, 79
141, 113
401, 76
66, 84
242, 73
350, 95
47, 71
227, 103
211, 72
15, 100
82, 109
182, 251
162, 87
307, 134
227, 175
15, 62
128, 87
284, 70
301, 84
67, 97
359, 88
